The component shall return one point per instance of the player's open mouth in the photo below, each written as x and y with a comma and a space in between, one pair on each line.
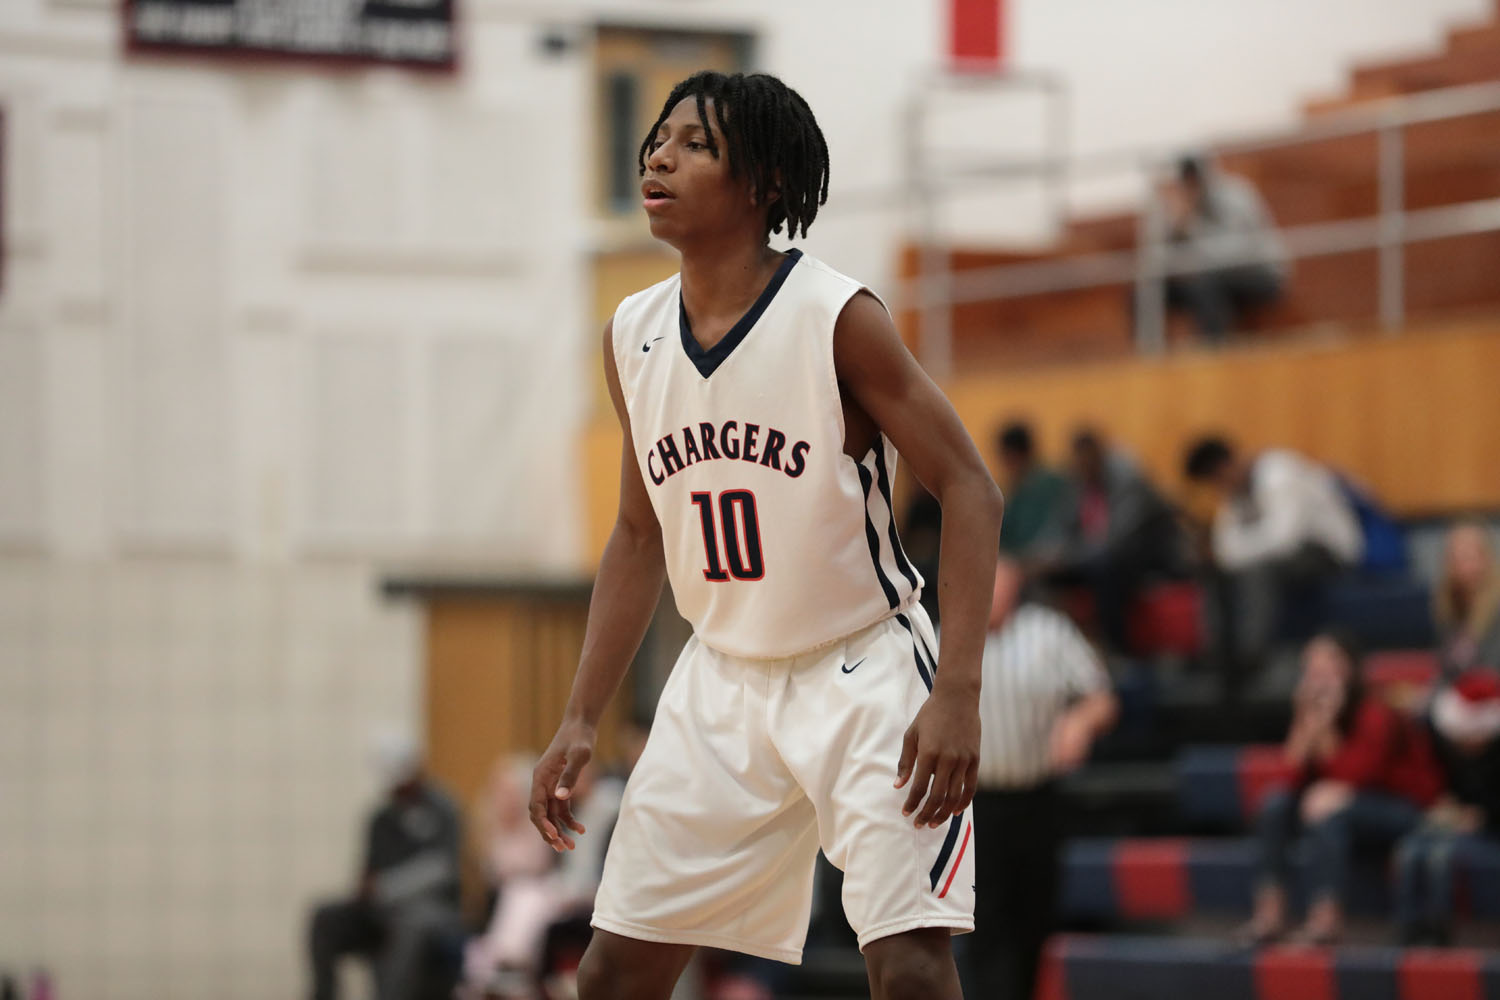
655, 192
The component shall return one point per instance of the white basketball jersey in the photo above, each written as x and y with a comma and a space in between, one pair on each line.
776, 541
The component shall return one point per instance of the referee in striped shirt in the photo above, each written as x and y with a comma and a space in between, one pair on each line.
1044, 699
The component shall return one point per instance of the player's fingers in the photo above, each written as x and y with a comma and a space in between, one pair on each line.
935, 811
908, 756
971, 786
920, 778
562, 810
955, 803
555, 816
538, 813
577, 757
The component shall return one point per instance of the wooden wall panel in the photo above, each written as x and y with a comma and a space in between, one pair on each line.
1416, 417
499, 670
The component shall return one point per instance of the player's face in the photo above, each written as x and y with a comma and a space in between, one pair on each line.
688, 191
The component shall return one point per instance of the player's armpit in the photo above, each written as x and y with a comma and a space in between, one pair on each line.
877, 371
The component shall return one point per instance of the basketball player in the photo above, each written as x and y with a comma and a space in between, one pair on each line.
763, 398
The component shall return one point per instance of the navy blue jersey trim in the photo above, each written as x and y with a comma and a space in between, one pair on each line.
707, 362
884, 479
947, 851
873, 537
916, 652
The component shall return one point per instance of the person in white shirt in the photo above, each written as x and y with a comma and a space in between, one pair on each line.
1045, 698
1284, 527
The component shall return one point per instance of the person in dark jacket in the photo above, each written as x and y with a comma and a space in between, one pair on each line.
1464, 825
1118, 532
407, 900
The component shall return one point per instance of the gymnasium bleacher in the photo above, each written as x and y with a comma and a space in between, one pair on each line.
1307, 179
1159, 869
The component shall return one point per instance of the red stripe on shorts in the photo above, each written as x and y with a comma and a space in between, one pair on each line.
956, 860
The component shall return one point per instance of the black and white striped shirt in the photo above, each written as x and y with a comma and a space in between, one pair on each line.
1035, 666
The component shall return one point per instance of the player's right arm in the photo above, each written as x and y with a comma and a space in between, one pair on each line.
626, 591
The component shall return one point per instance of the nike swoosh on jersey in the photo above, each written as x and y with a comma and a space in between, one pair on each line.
646, 347
849, 670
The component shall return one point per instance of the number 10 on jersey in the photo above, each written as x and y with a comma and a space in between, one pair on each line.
735, 510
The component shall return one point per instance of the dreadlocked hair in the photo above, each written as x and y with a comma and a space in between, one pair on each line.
771, 136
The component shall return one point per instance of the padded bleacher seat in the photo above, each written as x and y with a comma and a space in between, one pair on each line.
1137, 968
1222, 786
1167, 618
1416, 668
1384, 611
1164, 879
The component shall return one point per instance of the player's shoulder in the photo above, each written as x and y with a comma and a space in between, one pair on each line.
842, 292
647, 302
665, 290
821, 272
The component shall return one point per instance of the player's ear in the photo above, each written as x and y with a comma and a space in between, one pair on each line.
774, 194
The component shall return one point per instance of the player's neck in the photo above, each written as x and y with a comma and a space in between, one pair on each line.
719, 285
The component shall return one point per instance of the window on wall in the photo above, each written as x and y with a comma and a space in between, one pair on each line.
4, 153
622, 90
636, 69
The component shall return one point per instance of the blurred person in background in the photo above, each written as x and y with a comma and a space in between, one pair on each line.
509, 853
508, 959
1465, 823
1118, 533
1363, 774
1033, 495
1045, 698
1466, 602
407, 900
1283, 528
1219, 225
1464, 720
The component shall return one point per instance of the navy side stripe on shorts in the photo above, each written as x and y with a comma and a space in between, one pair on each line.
947, 851
873, 537
916, 652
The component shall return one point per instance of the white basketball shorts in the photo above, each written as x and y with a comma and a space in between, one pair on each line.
751, 765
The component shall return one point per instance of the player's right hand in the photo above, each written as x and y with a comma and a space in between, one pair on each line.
552, 784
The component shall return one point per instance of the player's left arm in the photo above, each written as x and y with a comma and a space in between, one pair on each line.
941, 748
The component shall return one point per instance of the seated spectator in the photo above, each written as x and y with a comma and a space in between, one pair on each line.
1466, 603
1283, 528
1364, 775
1219, 225
407, 899
507, 959
509, 851
1033, 495
1117, 533
1465, 822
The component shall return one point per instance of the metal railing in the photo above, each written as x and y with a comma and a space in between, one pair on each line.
937, 289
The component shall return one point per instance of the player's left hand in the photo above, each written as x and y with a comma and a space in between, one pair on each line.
940, 758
